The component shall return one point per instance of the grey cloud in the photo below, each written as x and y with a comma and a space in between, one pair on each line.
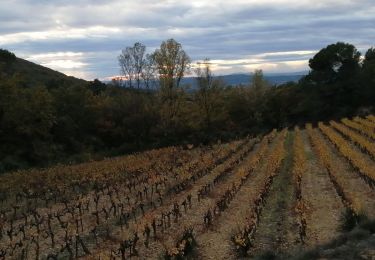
225, 30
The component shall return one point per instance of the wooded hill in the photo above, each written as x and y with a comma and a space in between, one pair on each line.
47, 117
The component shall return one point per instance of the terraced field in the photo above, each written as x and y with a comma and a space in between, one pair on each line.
283, 192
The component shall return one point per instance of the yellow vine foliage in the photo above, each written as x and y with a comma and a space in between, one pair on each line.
364, 143
366, 130
354, 157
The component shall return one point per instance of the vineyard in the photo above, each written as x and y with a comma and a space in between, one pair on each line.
287, 190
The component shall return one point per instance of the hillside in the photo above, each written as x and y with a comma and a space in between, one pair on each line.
34, 74
71, 120
187, 130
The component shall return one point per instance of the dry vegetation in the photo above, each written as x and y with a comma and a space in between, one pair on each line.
285, 192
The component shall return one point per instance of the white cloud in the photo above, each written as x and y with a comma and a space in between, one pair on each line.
64, 64
42, 56
284, 66
285, 53
267, 61
70, 63
62, 34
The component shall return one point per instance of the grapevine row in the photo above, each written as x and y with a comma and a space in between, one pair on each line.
76, 215
368, 131
229, 190
161, 219
299, 167
371, 118
243, 239
360, 140
356, 159
327, 161
369, 123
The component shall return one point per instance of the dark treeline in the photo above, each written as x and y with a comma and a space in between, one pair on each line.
54, 121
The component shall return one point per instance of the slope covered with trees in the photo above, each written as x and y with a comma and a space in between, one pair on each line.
47, 117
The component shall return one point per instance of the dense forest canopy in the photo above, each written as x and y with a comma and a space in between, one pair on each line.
47, 118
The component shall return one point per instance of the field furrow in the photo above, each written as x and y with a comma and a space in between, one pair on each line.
167, 227
278, 225
216, 241
354, 188
322, 219
278, 195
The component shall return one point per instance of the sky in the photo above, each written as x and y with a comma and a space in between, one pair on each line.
83, 38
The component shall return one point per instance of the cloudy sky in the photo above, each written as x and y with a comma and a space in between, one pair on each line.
84, 37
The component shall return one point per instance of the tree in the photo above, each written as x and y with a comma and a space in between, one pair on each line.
7, 58
258, 84
75, 118
336, 62
370, 54
208, 92
369, 60
27, 116
257, 94
172, 64
97, 86
368, 77
132, 61
125, 118
149, 71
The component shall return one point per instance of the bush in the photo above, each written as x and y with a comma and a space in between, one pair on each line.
242, 243
348, 221
184, 246
368, 225
267, 255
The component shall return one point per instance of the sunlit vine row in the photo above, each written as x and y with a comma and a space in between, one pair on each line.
325, 157
368, 131
229, 190
369, 122
299, 167
142, 225
364, 143
371, 118
222, 170
355, 158
214, 178
243, 239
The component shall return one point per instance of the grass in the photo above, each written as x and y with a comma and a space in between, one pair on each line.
279, 200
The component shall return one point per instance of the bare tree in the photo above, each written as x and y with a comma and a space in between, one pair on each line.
132, 61
125, 61
172, 64
258, 82
257, 95
208, 90
149, 71
139, 51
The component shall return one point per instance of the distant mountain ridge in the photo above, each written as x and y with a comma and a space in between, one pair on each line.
34, 75
245, 79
